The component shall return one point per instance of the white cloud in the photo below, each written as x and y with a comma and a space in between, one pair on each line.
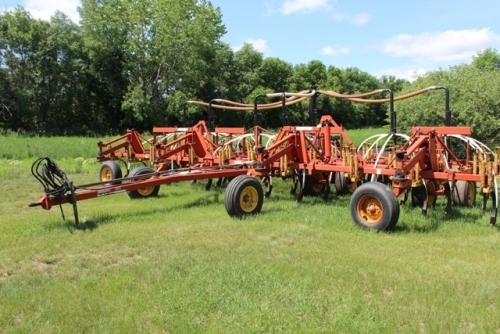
408, 74
361, 19
44, 9
341, 16
451, 45
358, 19
335, 51
258, 44
303, 6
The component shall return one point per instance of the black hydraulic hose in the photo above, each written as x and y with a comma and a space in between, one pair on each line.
447, 111
211, 116
283, 109
313, 111
255, 109
392, 111
54, 181
256, 116
184, 115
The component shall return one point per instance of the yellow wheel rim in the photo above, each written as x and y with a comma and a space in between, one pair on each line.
249, 199
471, 192
145, 191
431, 188
106, 174
317, 186
370, 209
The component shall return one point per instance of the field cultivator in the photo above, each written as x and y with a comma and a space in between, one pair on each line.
421, 164
195, 146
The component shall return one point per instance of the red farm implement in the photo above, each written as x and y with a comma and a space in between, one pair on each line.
421, 165
196, 146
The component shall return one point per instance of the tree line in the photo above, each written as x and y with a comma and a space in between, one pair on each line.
134, 65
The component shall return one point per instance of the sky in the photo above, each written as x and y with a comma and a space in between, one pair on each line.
382, 37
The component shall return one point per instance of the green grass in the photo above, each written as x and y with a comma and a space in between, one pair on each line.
358, 135
179, 264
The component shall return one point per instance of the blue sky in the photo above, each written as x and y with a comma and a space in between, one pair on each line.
382, 37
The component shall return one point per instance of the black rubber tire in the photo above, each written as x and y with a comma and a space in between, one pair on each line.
110, 170
243, 189
396, 208
341, 184
418, 196
464, 193
380, 197
315, 185
344, 185
143, 192
267, 182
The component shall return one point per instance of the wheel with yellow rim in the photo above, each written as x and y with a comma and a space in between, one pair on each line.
315, 184
244, 196
145, 192
374, 206
110, 170
344, 185
464, 193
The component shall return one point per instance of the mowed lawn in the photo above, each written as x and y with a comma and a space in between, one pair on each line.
179, 264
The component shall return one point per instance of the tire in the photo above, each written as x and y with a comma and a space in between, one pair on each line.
315, 184
110, 170
341, 184
143, 192
464, 193
374, 206
418, 195
244, 196
344, 185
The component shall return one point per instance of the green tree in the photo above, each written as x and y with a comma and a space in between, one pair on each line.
352, 114
473, 98
393, 83
20, 40
248, 61
312, 75
160, 47
488, 59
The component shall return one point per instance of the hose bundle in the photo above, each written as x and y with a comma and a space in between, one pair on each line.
54, 180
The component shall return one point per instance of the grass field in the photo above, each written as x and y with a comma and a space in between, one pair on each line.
179, 264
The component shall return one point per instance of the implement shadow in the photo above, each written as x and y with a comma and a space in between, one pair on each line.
92, 223
436, 217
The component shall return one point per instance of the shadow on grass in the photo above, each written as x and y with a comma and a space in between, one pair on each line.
90, 224
436, 217
410, 221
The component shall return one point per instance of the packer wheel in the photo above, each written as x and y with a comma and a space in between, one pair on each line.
464, 193
344, 185
315, 184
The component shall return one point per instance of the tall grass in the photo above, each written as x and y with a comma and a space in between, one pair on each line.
178, 263
20, 147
